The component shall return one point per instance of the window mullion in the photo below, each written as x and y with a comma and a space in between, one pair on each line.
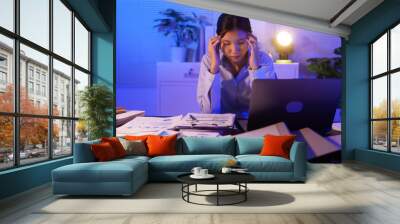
50, 79
16, 84
73, 82
389, 101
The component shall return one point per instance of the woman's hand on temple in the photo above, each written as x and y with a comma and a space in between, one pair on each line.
253, 52
213, 53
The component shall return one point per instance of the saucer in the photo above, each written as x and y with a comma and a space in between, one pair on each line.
208, 176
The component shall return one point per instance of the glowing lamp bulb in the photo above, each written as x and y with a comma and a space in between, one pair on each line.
284, 38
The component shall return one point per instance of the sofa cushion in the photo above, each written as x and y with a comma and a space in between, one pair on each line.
249, 145
161, 145
111, 171
116, 145
257, 163
208, 145
134, 147
103, 151
277, 145
185, 163
83, 152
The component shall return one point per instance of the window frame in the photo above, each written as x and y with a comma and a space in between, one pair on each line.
388, 74
16, 114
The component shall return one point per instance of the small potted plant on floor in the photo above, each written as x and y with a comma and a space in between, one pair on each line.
96, 102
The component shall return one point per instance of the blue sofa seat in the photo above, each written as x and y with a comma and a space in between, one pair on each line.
118, 177
167, 168
257, 163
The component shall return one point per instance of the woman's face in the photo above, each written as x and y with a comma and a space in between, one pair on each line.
234, 45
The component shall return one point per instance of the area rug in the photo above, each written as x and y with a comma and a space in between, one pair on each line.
167, 198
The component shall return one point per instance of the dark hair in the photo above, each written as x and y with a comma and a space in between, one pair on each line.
228, 23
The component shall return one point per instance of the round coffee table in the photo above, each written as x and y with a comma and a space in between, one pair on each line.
238, 179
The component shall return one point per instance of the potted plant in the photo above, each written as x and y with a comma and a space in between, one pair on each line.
183, 30
96, 102
326, 67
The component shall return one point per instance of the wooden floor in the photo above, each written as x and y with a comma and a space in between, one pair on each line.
377, 188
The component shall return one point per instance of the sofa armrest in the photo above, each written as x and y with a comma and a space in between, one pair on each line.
298, 155
83, 152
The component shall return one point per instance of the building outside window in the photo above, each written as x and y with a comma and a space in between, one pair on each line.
3, 72
30, 87
30, 72
43, 90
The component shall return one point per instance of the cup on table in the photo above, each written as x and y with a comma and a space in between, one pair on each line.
196, 171
226, 170
203, 172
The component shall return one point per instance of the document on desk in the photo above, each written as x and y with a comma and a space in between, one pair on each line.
149, 125
209, 121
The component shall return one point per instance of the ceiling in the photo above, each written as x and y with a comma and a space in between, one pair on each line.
328, 16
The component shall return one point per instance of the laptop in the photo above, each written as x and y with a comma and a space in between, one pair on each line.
299, 103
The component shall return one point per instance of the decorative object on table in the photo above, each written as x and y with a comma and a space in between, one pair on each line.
327, 67
231, 163
236, 170
226, 170
196, 170
283, 43
96, 102
182, 28
200, 173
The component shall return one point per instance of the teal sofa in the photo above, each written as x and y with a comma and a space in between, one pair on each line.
125, 176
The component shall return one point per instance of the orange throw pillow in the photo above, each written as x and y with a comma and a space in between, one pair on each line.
277, 145
103, 152
161, 145
116, 145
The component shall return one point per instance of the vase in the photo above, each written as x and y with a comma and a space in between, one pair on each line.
178, 54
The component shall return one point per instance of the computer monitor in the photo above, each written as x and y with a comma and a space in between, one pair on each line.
299, 103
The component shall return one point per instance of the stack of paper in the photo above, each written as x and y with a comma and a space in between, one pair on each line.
149, 125
123, 118
207, 121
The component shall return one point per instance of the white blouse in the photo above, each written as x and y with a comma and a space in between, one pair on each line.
224, 93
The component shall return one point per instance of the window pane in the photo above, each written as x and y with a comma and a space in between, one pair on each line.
81, 45
379, 135
62, 89
33, 139
379, 97
62, 29
7, 14
6, 74
81, 132
62, 141
395, 47
395, 94
6, 142
379, 55
395, 135
81, 81
35, 21
34, 97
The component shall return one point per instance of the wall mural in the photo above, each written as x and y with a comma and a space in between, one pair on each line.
181, 69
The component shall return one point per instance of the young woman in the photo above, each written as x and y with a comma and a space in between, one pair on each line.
228, 69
